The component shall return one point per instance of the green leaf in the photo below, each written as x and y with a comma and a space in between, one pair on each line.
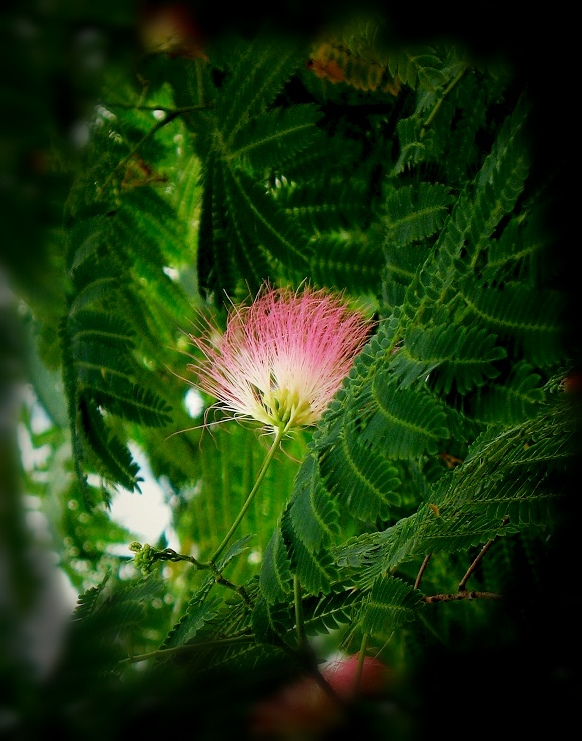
347, 260
275, 576
517, 313
270, 623
409, 422
362, 479
98, 327
419, 66
331, 612
235, 549
517, 399
415, 212
453, 355
391, 603
275, 136
215, 266
201, 608
314, 568
265, 222
510, 480
311, 511
87, 602
129, 400
113, 457
263, 67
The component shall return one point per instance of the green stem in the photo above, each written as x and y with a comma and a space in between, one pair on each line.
439, 103
299, 623
361, 657
260, 476
176, 111
162, 652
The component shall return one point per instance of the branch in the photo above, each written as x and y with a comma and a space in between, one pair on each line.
476, 562
147, 555
422, 570
466, 594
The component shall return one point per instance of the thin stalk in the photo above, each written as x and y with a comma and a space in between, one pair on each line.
177, 111
163, 652
478, 559
361, 657
439, 103
260, 476
422, 570
299, 622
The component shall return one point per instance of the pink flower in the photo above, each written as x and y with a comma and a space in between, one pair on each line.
281, 359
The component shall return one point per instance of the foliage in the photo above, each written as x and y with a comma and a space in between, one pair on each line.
429, 501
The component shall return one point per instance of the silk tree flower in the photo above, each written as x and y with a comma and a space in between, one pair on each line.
282, 358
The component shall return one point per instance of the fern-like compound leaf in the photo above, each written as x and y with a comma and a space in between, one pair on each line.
201, 608
409, 422
414, 213
275, 577
361, 477
390, 604
265, 223
311, 511
273, 138
531, 318
262, 69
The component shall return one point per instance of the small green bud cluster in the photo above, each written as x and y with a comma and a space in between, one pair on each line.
145, 556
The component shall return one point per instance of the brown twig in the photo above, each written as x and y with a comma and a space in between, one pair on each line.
477, 560
465, 594
422, 570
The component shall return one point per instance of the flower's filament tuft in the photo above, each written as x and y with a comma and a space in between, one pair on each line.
283, 357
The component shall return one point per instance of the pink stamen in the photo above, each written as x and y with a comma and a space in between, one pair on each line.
281, 359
